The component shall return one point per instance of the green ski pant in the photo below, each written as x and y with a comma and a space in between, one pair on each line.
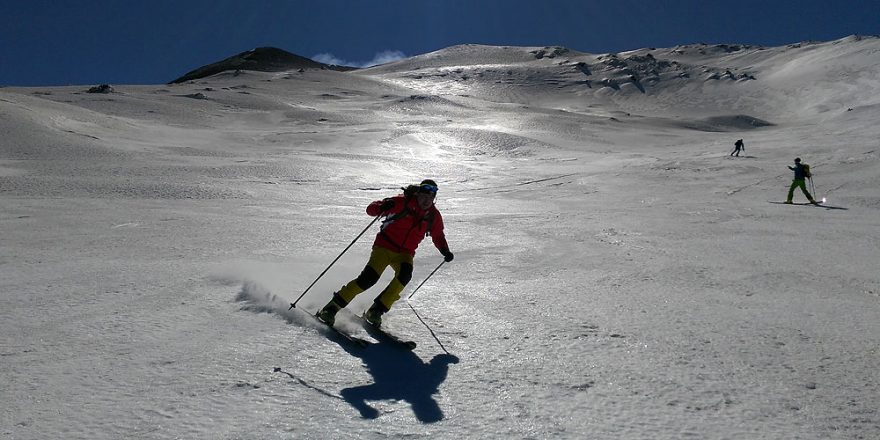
799, 183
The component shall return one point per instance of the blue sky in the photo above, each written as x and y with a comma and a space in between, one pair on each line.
61, 42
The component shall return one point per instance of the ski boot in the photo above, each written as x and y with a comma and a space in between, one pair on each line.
328, 313
373, 315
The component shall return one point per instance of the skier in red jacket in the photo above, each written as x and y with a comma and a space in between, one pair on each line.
409, 218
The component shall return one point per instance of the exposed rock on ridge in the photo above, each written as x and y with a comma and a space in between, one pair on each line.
263, 59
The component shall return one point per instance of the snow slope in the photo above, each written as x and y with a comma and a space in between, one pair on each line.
617, 274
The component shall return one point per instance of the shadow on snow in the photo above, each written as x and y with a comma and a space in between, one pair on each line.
398, 374
820, 205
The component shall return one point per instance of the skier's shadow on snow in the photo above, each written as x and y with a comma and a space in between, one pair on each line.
399, 374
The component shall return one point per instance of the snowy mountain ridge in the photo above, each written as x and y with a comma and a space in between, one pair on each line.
716, 71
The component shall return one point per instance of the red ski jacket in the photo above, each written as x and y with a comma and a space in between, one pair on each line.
406, 225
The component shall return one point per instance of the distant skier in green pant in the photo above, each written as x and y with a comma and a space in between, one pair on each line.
801, 173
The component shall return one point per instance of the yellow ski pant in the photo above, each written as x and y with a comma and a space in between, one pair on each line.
380, 259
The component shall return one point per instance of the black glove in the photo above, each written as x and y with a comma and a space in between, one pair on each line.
447, 256
386, 205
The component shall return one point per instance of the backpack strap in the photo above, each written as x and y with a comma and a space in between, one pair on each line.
403, 213
430, 219
393, 218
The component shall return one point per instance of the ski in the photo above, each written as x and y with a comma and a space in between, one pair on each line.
798, 203
818, 204
381, 334
353, 339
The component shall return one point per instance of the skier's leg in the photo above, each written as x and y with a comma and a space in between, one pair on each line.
402, 276
794, 185
806, 193
380, 258
403, 267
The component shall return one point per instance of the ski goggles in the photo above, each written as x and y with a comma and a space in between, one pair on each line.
428, 189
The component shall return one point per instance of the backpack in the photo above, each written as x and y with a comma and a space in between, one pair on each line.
408, 193
807, 172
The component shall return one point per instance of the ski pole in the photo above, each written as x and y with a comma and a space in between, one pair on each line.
417, 313
434, 335
426, 279
428, 327
293, 304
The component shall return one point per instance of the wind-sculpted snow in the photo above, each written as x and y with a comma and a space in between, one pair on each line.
733, 123
474, 142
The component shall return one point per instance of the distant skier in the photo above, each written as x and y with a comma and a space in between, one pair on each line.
409, 218
801, 173
737, 147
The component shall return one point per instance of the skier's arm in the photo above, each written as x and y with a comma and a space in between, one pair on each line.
382, 206
439, 238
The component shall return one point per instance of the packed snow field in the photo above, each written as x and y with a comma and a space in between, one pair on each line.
618, 275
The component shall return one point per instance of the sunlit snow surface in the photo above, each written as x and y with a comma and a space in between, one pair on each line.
617, 274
